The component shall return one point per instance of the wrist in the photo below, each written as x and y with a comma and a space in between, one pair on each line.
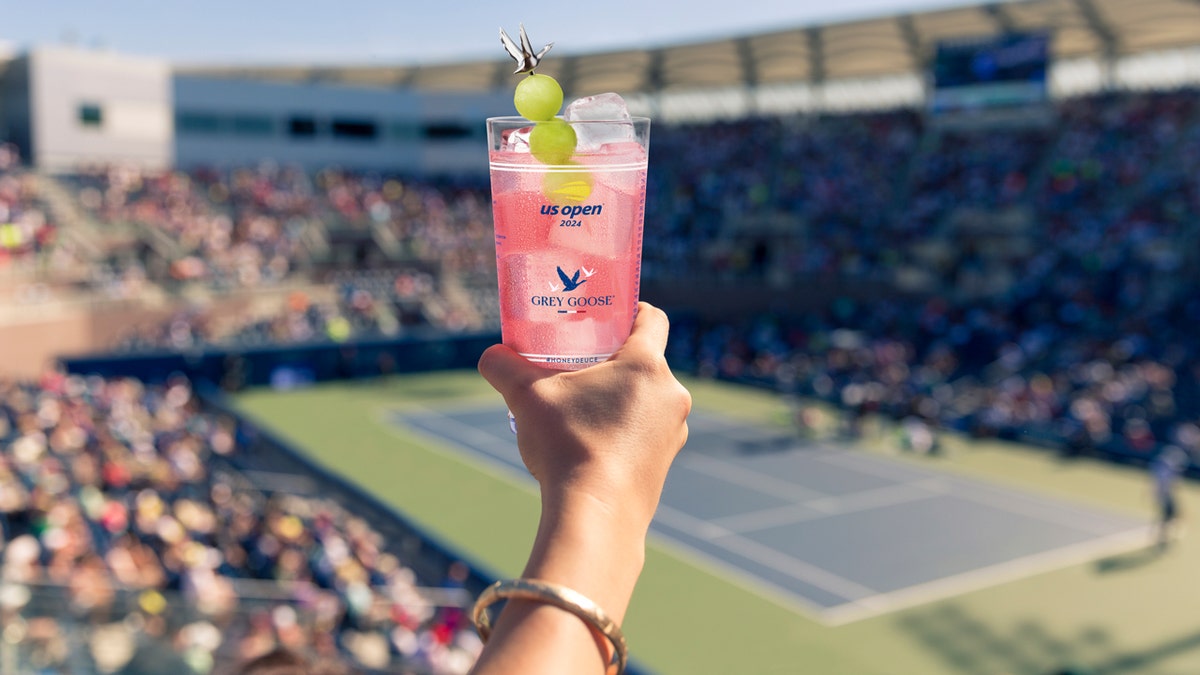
604, 493
596, 511
590, 545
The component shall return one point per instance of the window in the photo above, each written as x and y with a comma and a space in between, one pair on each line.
91, 115
354, 129
406, 131
253, 125
197, 122
447, 131
302, 127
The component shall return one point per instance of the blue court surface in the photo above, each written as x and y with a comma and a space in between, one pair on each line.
840, 535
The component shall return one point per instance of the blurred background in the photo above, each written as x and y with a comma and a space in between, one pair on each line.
933, 272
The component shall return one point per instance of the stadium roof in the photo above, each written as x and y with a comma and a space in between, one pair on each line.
880, 47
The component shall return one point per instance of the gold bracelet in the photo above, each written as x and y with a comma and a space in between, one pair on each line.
559, 596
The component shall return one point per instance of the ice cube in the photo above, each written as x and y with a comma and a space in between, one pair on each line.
608, 237
599, 120
609, 107
594, 136
567, 335
520, 275
516, 140
580, 335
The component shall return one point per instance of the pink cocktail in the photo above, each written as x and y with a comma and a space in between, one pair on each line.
568, 240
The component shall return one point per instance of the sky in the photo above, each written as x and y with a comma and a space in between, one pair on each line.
403, 32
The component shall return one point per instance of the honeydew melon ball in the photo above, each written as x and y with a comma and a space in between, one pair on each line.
552, 142
538, 97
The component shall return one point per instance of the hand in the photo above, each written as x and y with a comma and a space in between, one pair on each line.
609, 431
599, 441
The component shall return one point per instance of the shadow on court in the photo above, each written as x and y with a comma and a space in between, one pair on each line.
1129, 561
971, 646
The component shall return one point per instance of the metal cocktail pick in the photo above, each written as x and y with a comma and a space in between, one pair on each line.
526, 62
523, 55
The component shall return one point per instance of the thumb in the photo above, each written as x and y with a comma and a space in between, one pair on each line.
506, 370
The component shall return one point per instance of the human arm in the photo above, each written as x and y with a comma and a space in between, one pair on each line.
599, 441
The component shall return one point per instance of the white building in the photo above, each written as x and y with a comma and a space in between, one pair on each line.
67, 107
222, 121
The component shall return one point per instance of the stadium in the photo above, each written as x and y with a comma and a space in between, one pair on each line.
933, 281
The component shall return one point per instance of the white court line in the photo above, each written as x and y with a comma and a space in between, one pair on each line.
739, 475
735, 575
891, 495
470, 456
685, 522
685, 553
866, 603
765, 556
888, 495
1047, 509
992, 575
464, 433
1043, 512
472, 403
788, 514
891, 469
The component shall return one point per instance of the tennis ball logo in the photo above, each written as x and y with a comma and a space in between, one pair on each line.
567, 187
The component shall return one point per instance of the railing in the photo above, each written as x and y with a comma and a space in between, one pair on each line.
45, 629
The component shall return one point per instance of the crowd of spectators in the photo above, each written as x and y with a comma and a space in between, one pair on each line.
832, 181
248, 227
363, 305
1055, 301
1081, 337
1113, 173
243, 230
26, 231
443, 221
125, 502
1070, 324
1029, 375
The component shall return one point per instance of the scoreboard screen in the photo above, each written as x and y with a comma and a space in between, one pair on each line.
996, 71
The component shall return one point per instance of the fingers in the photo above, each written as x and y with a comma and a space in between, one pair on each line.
649, 335
506, 370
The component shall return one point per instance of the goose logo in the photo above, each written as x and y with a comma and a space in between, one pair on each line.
569, 284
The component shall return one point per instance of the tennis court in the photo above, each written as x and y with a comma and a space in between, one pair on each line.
841, 535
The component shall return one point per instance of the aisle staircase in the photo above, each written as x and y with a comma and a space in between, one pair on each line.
74, 226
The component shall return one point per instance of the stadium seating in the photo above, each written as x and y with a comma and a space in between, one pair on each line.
1045, 277
25, 230
127, 513
1045, 288
1060, 267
